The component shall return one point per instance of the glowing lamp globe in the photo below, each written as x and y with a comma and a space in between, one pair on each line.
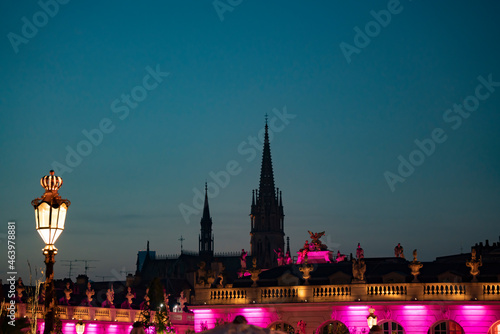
50, 211
371, 319
80, 327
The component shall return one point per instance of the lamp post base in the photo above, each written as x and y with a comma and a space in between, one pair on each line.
50, 300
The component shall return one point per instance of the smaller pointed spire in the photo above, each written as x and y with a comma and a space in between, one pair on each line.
281, 199
147, 251
288, 245
206, 209
253, 197
206, 239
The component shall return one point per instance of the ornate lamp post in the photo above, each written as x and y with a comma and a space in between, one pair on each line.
372, 318
50, 214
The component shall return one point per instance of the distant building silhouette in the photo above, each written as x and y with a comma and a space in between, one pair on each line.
185, 264
267, 234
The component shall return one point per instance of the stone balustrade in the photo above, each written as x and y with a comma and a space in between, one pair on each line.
348, 293
98, 314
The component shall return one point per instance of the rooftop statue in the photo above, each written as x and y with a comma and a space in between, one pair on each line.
127, 304
340, 257
201, 273
474, 265
306, 271
254, 272
110, 296
243, 259
130, 295
182, 300
89, 292
415, 266
360, 253
67, 295
398, 251
280, 257
358, 270
318, 246
316, 251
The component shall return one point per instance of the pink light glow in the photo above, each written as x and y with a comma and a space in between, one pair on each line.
473, 307
255, 316
473, 310
91, 329
356, 312
112, 329
202, 311
414, 307
253, 309
69, 327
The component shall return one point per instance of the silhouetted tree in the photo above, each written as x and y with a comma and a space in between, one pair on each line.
155, 294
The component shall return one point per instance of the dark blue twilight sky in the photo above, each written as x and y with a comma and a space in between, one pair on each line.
347, 96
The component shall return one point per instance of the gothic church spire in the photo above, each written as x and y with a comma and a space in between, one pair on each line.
266, 215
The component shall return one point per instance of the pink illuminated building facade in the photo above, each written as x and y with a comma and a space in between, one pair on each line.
436, 308
99, 320
451, 295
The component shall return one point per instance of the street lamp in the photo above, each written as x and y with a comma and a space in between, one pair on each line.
50, 214
371, 319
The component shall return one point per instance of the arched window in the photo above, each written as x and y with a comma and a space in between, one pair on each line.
391, 327
282, 326
333, 327
495, 328
446, 327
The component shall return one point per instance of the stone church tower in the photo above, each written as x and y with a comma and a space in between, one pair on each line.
266, 214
